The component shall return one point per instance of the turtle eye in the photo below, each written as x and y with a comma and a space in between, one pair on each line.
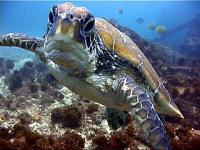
52, 14
51, 18
70, 16
88, 24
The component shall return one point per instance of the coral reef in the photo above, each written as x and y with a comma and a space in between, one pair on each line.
5, 66
25, 118
38, 114
100, 142
29, 72
183, 138
51, 80
126, 138
191, 44
14, 80
21, 137
72, 141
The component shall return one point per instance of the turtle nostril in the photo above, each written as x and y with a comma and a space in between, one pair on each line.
65, 21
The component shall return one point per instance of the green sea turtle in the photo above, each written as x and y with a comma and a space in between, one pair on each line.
97, 61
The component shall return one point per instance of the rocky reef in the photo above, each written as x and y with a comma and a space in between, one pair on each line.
5, 66
38, 113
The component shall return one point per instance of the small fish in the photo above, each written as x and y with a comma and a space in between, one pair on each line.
120, 11
151, 26
161, 29
140, 20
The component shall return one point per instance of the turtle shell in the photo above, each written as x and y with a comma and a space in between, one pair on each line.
124, 47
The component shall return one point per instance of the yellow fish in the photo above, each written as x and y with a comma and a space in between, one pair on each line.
161, 29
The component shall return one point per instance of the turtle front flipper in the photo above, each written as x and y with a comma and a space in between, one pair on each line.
143, 112
22, 41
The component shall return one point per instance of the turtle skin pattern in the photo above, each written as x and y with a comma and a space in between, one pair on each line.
143, 111
21, 40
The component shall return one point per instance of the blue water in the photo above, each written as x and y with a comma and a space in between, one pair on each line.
31, 16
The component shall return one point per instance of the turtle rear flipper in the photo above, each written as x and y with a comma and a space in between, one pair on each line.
143, 112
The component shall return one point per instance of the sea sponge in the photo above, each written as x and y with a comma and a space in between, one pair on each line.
68, 116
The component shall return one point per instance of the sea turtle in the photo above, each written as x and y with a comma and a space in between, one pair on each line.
97, 61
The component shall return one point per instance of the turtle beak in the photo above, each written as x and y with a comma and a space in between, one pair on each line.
63, 30
66, 28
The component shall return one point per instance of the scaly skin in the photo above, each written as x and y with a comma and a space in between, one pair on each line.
143, 111
123, 46
22, 41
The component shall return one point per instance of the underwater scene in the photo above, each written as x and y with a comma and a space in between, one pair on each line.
99, 75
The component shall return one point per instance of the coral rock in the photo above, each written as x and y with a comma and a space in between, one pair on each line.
69, 116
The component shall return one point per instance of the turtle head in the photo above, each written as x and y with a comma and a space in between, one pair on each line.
73, 27
70, 37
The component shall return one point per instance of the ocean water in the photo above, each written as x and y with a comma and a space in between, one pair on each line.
31, 16
174, 52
